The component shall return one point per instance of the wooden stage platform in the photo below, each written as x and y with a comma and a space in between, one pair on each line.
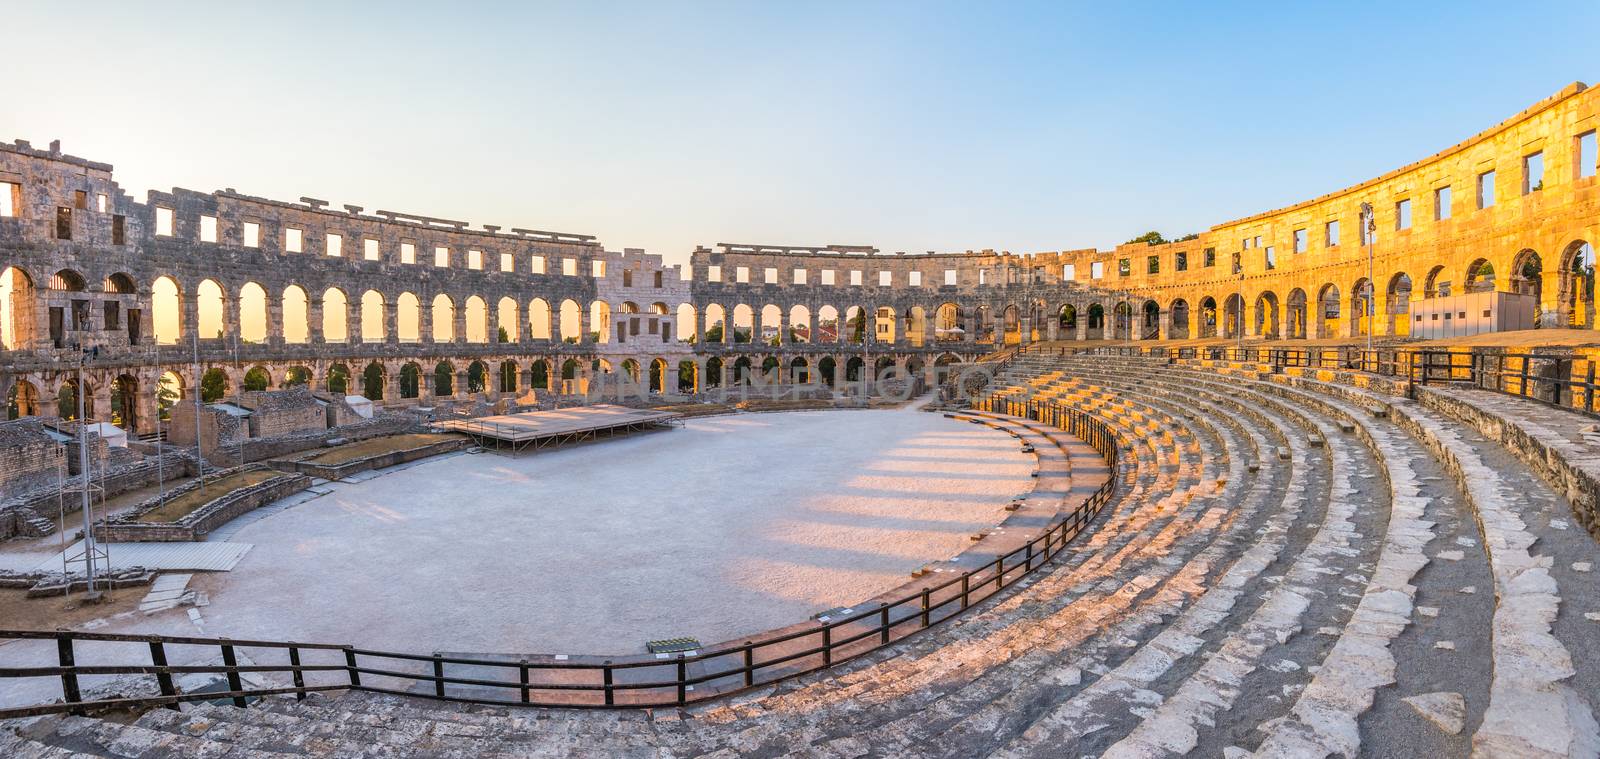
541, 429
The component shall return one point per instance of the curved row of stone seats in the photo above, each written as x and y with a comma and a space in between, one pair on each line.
1210, 601
1172, 726
1542, 657
1335, 713
908, 701
1545, 655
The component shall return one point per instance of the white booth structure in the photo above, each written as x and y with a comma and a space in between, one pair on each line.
1472, 314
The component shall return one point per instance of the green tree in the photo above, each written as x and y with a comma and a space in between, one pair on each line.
503, 336
1149, 238
213, 386
714, 335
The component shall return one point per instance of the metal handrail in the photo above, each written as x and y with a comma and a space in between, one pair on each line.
760, 662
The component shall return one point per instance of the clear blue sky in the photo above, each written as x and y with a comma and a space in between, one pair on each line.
915, 127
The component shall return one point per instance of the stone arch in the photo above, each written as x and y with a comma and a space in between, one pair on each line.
509, 326
477, 377
1178, 315
600, 321
410, 380
1295, 314
828, 330
1067, 318
658, 376
713, 376
1433, 286
741, 370
852, 369
295, 310
799, 324
716, 326
1011, 325
1150, 326
169, 391
947, 323
508, 381
1480, 276
1208, 317
119, 283
539, 375
539, 319
476, 322
210, 309
1577, 285
1328, 311
1122, 315
125, 402
688, 377
855, 324
408, 318
1397, 304
17, 297
1362, 307
339, 379
22, 400
1266, 320
335, 316
659, 309
373, 318
67, 400
444, 379
771, 331
257, 379
1527, 274
799, 371
629, 307
373, 379
688, 322
252, 313
67, 280
444, 319
826, 367
743, 324
917, 326
1233, 316
571, 321
295, 376
630, 369
166, 310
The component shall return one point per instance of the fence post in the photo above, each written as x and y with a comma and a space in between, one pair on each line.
827, 644
438, 675
611, 697
1588, 388
350, 667
232, 663
69, 679
158, 657
683, 687
966, 578
883, 623
522, 675
749, 664
999, 571
924, 607
298, 676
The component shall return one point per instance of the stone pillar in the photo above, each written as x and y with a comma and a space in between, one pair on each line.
425, 323
391, 325
1550, 298
314, 320
1164, 325
458, 324
352, 321
274, 320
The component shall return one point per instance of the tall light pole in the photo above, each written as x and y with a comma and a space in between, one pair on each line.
1369, 227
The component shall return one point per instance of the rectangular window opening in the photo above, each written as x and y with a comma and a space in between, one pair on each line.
119, 230
475, 259
251, 235
1330, 234
914, 279
1588, 155
208, 229
10, 200
163, 222
508, 263
1533, 173
441, 258
335, 247
1486, 189
1402, 214
408, 252
371, 250
294, 240
1441, 203
63, 223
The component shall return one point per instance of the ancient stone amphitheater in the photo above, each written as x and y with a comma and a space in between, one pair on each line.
1284, 542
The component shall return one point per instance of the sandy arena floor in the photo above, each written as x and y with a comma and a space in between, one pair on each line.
727, 527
